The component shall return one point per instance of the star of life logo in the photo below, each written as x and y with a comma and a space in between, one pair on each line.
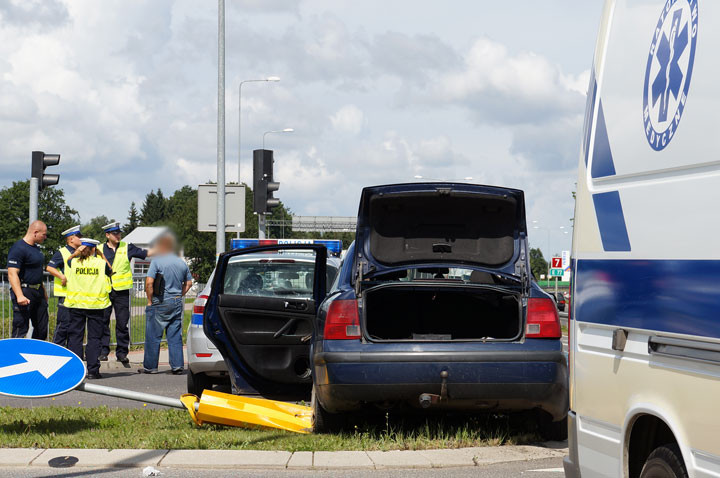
668, 71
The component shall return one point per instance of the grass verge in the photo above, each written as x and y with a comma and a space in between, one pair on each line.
102, 427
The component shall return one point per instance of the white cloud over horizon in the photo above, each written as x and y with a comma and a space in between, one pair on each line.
126, 91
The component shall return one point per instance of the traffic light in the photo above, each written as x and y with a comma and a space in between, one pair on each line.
40, 161
263, 184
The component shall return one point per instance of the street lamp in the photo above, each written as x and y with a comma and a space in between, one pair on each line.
286, 130
268, 79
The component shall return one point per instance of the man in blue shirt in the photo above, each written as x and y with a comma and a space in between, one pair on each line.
25, 272
165, 313
120, 293
56, 268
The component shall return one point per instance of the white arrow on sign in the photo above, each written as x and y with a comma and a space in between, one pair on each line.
47, 365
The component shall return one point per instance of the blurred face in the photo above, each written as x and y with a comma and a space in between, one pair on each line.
74, 241
114, 237
87, 252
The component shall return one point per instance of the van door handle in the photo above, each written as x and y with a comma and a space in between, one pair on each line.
284, 328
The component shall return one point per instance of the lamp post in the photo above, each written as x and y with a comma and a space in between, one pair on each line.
286, 130
268, 79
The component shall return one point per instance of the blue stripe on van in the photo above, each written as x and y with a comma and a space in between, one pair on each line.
602, 164
611, 221
677, 296
197, 319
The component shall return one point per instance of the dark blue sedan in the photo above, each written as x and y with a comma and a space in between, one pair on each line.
433, 308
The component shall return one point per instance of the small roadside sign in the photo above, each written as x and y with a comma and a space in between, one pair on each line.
32, 368
556, 267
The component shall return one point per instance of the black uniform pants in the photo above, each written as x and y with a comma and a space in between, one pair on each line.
60, 336
120, 300
36, 312
95, 319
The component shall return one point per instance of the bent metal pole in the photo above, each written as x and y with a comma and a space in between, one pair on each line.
131, 395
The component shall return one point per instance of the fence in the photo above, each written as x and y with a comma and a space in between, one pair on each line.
137, 308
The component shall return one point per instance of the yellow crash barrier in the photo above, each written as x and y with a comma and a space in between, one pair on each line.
239, 411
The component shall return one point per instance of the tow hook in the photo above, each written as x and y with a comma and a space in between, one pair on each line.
428, 399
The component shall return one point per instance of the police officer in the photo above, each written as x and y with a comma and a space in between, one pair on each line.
119, 254
55, 267
25, 272
88, 295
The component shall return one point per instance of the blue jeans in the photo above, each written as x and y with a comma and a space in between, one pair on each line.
164, 317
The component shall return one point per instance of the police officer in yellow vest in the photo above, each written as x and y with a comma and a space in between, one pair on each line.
88, 295
56, 267
119, 254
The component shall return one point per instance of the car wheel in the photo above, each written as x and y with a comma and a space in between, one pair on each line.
664, 462
322, 420
550, 430
197, 382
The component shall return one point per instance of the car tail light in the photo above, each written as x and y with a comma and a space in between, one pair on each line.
203, 355
199, 304
342, 321
543, 320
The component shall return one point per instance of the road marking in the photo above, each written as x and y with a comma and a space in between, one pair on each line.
550, 470
47, 365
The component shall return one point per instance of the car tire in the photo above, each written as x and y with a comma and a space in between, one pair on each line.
322, 420
550, 430
664, 462
197, 382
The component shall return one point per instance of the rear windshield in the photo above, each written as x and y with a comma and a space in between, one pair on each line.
460, 227
274, 278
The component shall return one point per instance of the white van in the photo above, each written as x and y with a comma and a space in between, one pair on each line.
645, 335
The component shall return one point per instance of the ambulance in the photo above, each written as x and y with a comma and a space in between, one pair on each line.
644, 334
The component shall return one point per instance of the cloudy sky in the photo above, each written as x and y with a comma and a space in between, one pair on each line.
377, 92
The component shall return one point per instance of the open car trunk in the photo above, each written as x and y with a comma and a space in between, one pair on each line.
442, 312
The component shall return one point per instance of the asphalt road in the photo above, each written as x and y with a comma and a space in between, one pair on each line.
548, 468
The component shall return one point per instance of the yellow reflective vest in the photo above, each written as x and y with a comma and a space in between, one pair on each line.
88, 287
122, 274
59, 289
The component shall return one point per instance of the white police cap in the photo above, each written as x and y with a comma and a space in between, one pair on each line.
113, 226
90, 242
71, 231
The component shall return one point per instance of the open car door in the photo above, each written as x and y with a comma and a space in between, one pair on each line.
261, 316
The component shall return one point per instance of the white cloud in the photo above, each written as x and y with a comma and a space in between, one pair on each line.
348, 119
126, 92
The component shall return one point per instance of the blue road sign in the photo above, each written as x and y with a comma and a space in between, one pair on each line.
34, 369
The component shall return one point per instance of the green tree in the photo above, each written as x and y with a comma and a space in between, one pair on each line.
538, 264
93, 228
15, 210
198, 247
133, 219
154, 209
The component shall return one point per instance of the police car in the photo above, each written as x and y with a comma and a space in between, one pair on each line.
645, 360
287, 273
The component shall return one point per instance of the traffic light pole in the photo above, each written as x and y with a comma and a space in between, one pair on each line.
261, 226
34, 192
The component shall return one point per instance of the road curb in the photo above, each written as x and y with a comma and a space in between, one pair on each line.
262, 460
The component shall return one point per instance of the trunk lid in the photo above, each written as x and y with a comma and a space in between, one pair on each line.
441, 223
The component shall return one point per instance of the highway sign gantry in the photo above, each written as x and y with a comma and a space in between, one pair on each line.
32, 368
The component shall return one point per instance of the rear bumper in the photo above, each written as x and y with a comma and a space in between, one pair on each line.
570, 462
197, 343
510, 380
